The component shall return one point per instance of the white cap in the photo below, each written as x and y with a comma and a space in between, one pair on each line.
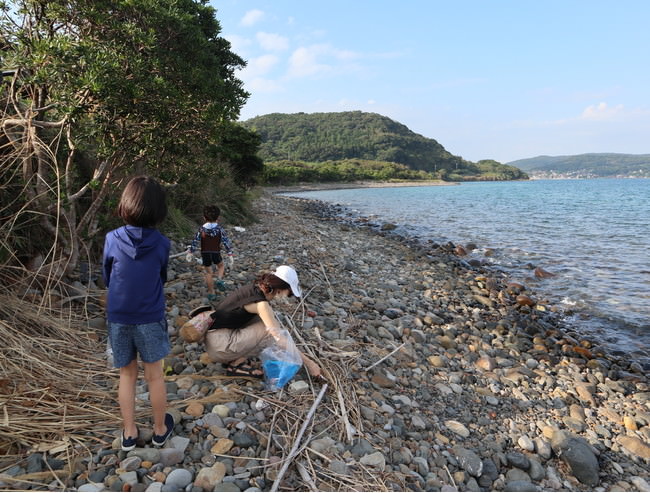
288, 275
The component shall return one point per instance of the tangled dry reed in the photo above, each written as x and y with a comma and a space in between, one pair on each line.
57, 397
53, 397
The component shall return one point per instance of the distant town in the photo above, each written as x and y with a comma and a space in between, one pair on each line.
581, 174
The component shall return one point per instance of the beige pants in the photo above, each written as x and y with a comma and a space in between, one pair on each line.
226, 345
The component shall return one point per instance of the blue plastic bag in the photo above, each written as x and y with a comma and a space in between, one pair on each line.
280, 361
278, 373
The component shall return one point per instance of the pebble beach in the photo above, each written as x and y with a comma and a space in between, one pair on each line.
441, 376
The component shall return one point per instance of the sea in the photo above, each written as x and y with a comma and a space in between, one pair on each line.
593, 234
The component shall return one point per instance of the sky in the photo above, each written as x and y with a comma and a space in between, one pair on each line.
487, 79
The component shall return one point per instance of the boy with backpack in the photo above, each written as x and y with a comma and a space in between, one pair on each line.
210, 237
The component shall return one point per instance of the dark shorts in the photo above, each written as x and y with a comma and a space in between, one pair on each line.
150, 341
210, 258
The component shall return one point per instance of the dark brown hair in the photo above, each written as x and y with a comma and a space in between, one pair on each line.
211, 213
143, 203
270, 282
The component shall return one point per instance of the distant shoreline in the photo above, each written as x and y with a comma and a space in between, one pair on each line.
315, 187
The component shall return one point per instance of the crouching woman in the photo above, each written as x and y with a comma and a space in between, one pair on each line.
244, 323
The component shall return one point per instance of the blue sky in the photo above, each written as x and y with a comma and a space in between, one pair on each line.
487, 79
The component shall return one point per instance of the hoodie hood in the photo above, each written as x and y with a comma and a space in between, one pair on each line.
136, 242
211, 229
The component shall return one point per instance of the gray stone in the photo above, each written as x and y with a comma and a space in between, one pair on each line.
640, 484
519, 460
179, 478
520, 486
35, 463
469, 461
361, 447
457, 428
149, 454
129, 477
179, 442
244, 440
516, 474
422, 465
97, 476
339, 467
322, 445
375, 459
526, 443
543, 448
536, 470
91, 487
578, 455
228, 486
418, 423
171, 456
131, 463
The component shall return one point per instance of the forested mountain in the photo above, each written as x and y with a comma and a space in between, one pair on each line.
600, 165
327, 137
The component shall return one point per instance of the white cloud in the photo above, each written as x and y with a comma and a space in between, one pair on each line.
601, 111
260, 85
258, 66
319, 59
304, 62
272, 42
238, 43
252, 17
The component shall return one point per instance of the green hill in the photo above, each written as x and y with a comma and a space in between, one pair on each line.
599, 165
355, 135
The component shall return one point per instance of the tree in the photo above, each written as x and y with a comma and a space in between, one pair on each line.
101, 89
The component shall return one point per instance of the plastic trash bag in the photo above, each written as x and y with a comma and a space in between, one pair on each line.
281, 361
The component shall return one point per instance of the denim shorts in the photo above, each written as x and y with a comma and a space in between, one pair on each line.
150, 341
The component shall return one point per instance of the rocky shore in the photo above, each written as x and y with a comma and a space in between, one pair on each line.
442, 376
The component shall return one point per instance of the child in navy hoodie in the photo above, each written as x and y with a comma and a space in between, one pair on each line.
135, 269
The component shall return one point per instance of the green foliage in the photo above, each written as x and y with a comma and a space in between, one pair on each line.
354, 135
114, 88
178, 225
290, 172
320, 137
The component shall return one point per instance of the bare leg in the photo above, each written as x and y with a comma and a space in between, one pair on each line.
126, 397
157, 395
208, 279
220, 270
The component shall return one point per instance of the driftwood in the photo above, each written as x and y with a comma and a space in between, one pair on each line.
296, 444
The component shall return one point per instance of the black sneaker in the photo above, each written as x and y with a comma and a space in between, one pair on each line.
159, 440
128, 443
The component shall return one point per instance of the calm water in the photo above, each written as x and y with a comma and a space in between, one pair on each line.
594, 234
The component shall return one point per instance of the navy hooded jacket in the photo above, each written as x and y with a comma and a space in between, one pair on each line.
135, 269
